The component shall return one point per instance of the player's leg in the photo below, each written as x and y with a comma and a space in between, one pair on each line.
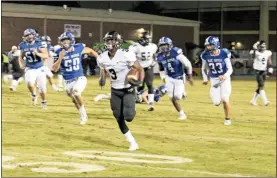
226, 89
215, 92
15, 81
143, 83
184, 80
50, 76
149, 77
41, 83
60, 80
78, 88
102, 96
261, 88
178, 93
117, 108
7, 77
30, 79
129, 112
257, 92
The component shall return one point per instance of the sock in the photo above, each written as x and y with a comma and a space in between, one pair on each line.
82, 111
151, 98
255, 97
60, 80
263, 95
181, 113
227, 119
34, 94
43, 101
130, 137
14, 83
20, 79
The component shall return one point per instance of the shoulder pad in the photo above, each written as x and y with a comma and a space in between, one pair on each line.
225, 50
177, 51
20, 46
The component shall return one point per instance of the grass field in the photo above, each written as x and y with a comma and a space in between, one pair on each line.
51, 142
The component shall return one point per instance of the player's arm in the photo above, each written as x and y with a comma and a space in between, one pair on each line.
137, 66
229, 69
184, 60
270, 68
162, 71
89, 51
21, 60
57, 64
102, 79
203, 70
43, 51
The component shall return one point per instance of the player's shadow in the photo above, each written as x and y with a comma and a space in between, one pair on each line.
89, 139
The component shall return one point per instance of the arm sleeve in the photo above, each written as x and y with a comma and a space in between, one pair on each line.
184, 60
229, 67
203, 68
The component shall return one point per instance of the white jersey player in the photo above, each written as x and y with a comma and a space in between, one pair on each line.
145, 53
262, 61
117, 63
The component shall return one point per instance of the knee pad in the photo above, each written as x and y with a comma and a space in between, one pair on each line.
225, 99
177, 97
129, 118
217, 104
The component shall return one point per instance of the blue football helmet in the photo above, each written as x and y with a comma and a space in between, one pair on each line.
67, 36
214, 41
162, 89
46, 39
165, 44
27, 33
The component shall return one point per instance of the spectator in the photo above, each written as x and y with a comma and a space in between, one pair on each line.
89, 62
5, 63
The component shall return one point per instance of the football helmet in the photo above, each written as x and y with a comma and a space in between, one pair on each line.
112, 40
144, 39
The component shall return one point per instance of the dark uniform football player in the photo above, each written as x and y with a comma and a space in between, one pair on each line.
117, 63
145, 53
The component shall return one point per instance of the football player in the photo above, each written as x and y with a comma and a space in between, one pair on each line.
17, 75
262, 61
220, 70
117, 63
171, 61
145, 53
70, 62
48, 72
60, 77
35, 52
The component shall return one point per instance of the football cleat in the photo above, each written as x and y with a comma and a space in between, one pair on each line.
133, 147
227, 122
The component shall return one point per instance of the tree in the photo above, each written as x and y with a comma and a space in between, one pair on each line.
147, 7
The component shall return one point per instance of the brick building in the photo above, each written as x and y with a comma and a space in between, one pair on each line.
94, 24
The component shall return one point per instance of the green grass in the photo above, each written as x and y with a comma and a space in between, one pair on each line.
247, 148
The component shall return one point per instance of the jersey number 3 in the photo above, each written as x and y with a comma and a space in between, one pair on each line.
216, 68
113, 74
72, 65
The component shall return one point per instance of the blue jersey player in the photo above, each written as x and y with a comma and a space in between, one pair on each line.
48, 72
171, 61
220, 69
34, 52
143, 95
70, 62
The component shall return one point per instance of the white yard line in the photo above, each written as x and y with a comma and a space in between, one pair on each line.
136, 166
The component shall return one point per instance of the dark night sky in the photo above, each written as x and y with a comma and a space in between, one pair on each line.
127, 5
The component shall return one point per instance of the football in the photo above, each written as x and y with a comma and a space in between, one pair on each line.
133, 74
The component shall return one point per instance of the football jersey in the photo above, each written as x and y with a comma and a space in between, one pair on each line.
31, 60
260, 60
144, 54
173, 67
216, 63
71, 65
117, 67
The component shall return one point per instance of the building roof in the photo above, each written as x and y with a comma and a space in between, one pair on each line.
56, 12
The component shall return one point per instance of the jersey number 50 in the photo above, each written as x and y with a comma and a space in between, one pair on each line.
72, 65
216, 68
